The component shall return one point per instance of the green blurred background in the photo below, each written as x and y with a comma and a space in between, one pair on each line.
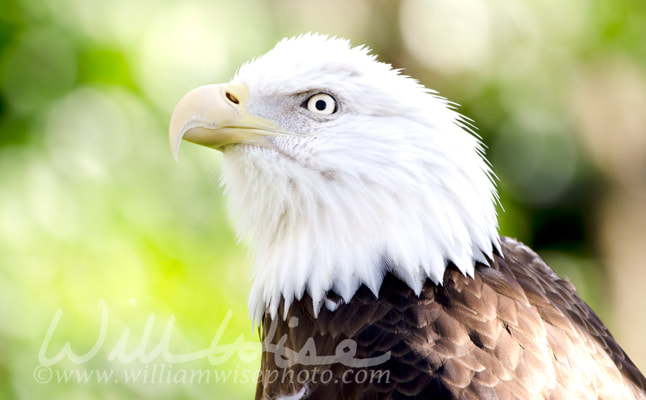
93, 207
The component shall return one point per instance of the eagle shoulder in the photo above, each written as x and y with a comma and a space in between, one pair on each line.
514, 330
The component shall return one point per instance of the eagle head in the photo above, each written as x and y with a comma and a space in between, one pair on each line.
338, 169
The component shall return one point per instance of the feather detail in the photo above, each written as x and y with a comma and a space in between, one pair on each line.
508, 332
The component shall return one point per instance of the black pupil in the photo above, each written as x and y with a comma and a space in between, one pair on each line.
320, 105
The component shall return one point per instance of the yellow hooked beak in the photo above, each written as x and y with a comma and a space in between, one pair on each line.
216, 116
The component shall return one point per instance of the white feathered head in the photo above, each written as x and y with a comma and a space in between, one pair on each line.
339, 169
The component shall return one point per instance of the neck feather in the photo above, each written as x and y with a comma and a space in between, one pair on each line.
315, 233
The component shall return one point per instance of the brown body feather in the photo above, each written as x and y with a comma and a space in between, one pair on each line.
513, 331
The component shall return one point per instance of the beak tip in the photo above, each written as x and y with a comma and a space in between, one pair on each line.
175, 142
175, 151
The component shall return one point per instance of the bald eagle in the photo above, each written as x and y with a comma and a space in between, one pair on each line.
378, 269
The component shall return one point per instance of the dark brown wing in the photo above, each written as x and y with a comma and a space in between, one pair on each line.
514, 331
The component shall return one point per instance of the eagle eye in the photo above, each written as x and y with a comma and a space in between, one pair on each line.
321, 103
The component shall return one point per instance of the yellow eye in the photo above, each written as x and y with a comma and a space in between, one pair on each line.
322, 103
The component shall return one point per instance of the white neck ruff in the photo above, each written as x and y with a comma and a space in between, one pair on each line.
315, 232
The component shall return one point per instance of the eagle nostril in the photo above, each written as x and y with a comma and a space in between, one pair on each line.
232, 98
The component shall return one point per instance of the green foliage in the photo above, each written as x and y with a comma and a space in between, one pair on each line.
93, 208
